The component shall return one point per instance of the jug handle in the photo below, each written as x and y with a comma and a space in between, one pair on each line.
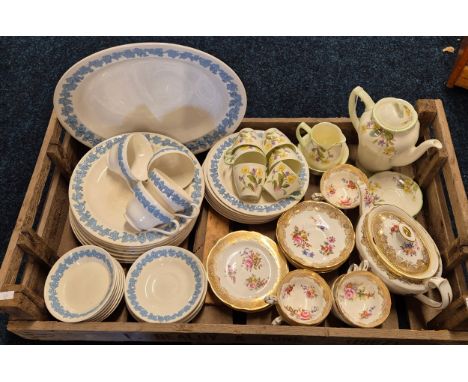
444, 289
304, 126
358, 92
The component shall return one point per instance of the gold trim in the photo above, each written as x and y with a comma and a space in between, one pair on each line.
347, 168
221, 293
386, 255
383, 292
327, 295
333, 213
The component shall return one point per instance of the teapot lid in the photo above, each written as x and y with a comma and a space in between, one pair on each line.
402, 243
394, 114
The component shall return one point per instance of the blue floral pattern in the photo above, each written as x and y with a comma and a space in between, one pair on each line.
149, 206
169, 192
149, 257
64, 264
228, 124
234, 201
80, 208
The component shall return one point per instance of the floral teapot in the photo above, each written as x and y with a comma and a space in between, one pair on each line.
400, 251
388, 131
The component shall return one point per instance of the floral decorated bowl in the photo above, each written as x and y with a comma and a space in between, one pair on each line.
243, 268
315, 235
397, 189
361, 298
339, 186
302, 298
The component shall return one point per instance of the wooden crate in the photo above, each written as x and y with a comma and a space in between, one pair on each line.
459, 74
42, 234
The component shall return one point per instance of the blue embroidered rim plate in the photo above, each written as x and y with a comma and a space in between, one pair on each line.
56, 274
68, 115
154, 255
215, 166
83, 215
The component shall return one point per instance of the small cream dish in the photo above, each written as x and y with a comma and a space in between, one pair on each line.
389, 187
302, 298
361, 299
129, 159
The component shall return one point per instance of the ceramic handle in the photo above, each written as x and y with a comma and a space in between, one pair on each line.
277, 321
317, 196
195, 209
270, 300
445, 290
164, 232
358, 92
304, 126
363, 266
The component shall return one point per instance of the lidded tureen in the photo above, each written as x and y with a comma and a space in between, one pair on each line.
400, 251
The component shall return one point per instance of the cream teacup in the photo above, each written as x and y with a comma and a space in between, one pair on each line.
246, 154
281, 182
245, 137
286, 155
302, 298
273, 139
322, 145
174, 196
130, 157
177, 165
146, 210
248, 180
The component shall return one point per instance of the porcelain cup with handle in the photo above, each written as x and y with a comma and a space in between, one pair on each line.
176, 164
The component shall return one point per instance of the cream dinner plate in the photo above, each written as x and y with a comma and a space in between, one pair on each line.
391, 187
243, 268
316, 235
165, 285
168, 89
83, 285
98, 199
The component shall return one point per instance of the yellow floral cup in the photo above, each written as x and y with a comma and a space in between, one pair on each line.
281, 182
246, 154
286, 155
248, 180
245, 137
273, 139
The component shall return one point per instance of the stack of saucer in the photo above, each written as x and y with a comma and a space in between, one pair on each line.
221, 194
166, 285
99, 198
85, 284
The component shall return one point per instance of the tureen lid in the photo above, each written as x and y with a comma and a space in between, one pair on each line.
394, 114
401, 243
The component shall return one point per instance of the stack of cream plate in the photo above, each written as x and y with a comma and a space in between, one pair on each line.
85, 284
166, 285
98, 199
222, 196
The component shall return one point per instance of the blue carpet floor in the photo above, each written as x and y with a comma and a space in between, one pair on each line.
284, 77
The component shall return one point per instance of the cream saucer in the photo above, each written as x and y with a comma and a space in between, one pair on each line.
343, 160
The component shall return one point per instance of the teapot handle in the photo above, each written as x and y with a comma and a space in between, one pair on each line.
304, 126
445, 290
358, 92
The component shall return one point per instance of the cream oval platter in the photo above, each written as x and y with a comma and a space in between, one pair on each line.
169, 89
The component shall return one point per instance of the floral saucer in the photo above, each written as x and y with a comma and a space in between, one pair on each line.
303, 298
343, 160
397, 189
243, 268
315, 235
339, 186
361, 299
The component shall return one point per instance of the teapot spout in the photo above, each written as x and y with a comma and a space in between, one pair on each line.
414, 153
